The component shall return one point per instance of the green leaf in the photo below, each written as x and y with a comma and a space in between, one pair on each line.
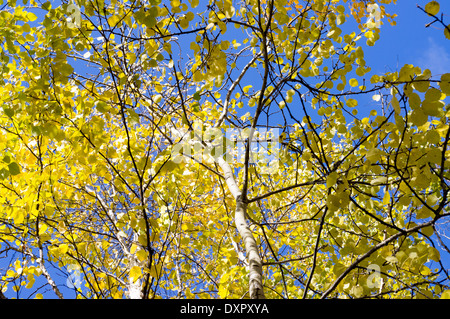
102, 107
9, 112
66, 69
149, 17
414, 100
14, 169
433, 94
35, 130
196, 96
331, 179
391, 259
418, 117
432, 108
428, 231
395, 105
46, 6
421, 86
168, 166
4, 173
434, 254
133, 117
424, 213
379, 181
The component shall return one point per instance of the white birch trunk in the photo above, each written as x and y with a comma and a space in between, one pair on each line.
254, 260
134, 285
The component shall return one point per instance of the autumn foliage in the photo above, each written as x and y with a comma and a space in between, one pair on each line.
96, 96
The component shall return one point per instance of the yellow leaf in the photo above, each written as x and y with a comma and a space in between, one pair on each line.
31, 16
414, 100
353, 82
194, 3
368, 34
341, 87
63, 248
135, 273
331, 179
142, 255
447, 31
423, 213
223, 291
352, 102
421, 86
113, 20
155, 271
30, 283
395, 105
434, 254
445, 83
158, 88
373, 155
432, 7
246, 88
133, 248
386, 198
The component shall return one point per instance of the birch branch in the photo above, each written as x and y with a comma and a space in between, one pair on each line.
46, 274
370, 252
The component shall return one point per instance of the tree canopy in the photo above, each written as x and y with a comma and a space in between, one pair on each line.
217, 149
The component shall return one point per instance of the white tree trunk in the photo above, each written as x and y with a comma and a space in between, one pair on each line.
134, 289
254, 260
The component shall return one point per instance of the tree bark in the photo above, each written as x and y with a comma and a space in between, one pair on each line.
251, 249
134, 285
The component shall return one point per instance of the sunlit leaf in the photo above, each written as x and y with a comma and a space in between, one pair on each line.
432, 7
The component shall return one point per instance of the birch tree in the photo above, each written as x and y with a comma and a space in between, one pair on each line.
217, 149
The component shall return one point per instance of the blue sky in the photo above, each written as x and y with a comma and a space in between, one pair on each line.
410, 42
